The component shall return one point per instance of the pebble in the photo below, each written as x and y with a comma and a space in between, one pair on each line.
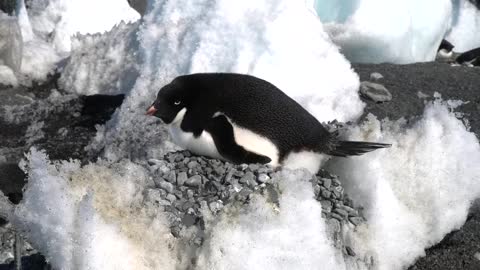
171, 177
375, 92
182, 178
327, 182
186, 183
194, 181
263, 178
375, 76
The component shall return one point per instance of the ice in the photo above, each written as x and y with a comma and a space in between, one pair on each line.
417, 191
253, 37
103, 64
375, 31
465, 26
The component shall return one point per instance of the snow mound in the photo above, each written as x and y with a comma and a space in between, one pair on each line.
415, 192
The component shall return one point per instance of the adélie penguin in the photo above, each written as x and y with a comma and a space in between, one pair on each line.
243, 119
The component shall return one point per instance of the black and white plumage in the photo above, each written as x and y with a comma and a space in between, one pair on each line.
471, 58
244, 119
445, 50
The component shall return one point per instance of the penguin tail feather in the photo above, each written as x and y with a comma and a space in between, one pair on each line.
354, 148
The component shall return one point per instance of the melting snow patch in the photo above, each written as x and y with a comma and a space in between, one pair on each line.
418, 190
92, 217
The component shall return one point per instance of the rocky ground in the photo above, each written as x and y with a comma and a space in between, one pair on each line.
52, 121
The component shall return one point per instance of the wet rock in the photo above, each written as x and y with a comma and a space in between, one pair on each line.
375, 92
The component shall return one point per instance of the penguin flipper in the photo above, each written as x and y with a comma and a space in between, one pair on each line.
222, 133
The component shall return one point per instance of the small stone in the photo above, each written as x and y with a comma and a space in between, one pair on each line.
190, 194
168, 187
326, 194
153, 162
215, 206
375, 76
356, 220
171, 177
350, 251
341, 212
179, 157
477, 256
336, 216
192, 164
171, 198
253, 167
247, 178
326, 205
263, 178
194, 181
181, 178
316, 190
375, 92
327, 182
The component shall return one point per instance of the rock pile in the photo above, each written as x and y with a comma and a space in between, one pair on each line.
185, 184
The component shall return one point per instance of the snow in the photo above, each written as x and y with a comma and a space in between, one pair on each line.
291, 237
7, 76
417, 191
465, 26
375, 31
81, 217
103, 64
48, 26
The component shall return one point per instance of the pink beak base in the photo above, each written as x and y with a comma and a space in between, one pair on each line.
151, 111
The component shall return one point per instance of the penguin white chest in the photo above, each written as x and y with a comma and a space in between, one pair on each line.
201, 145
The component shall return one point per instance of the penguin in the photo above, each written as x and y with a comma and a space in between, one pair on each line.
469, 58
445, 50
244, 119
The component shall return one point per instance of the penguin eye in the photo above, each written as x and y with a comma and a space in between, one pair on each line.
177, 102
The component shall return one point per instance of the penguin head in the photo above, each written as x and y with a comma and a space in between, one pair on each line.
171, 99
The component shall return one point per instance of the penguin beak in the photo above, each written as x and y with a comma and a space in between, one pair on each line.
151, 110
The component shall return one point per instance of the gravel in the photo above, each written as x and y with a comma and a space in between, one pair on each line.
188, 184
